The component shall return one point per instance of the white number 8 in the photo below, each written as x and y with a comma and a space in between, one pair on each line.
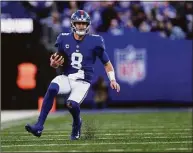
76, 59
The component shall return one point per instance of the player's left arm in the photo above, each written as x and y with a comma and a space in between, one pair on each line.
103, 56
111, 75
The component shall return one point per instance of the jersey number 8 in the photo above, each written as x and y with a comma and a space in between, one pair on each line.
76, 59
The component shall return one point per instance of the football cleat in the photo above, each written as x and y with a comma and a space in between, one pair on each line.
34, 129
76, 131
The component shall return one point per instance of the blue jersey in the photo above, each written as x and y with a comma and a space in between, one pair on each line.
81, 54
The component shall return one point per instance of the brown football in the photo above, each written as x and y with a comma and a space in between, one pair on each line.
64, 56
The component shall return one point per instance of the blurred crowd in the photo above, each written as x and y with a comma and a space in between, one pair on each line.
169, 19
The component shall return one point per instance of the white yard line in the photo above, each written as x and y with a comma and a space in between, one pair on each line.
107, 134
114, 150
128, 129
177, 149
141, 126
130, 137
17, 122
99, 131
145, 133
54, 151
49, 151
86, 144
141, 150
124, 127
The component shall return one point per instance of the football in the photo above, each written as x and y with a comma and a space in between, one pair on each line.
64, 56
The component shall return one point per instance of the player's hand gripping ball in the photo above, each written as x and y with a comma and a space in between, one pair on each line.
56, 60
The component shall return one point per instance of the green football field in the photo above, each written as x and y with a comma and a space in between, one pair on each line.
165, 131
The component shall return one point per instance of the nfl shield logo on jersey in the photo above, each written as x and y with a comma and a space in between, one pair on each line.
130, 64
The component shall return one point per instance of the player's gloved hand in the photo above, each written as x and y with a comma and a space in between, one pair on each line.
56, 61
115, 85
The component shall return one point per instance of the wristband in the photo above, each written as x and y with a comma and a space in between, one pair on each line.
111, 75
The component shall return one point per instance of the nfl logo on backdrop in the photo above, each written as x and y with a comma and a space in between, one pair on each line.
130, 64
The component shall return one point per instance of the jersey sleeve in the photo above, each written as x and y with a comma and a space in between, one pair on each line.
58, 43
100, 51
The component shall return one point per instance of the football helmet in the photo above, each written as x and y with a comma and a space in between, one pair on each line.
80, 16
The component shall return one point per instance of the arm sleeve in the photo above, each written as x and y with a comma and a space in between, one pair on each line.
58, 43
100, 51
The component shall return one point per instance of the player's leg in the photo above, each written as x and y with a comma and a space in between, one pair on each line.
74, 109
78, 94
46, 106
59, 84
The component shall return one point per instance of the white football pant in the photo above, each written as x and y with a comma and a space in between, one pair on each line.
78, 88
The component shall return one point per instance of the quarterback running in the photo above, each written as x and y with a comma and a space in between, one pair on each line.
81, 50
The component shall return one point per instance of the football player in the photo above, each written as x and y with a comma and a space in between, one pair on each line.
81, 50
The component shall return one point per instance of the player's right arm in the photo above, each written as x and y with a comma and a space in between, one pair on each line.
56, 60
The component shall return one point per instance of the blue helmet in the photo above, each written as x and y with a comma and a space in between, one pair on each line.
80, 16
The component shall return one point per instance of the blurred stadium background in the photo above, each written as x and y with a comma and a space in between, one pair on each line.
150, 45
